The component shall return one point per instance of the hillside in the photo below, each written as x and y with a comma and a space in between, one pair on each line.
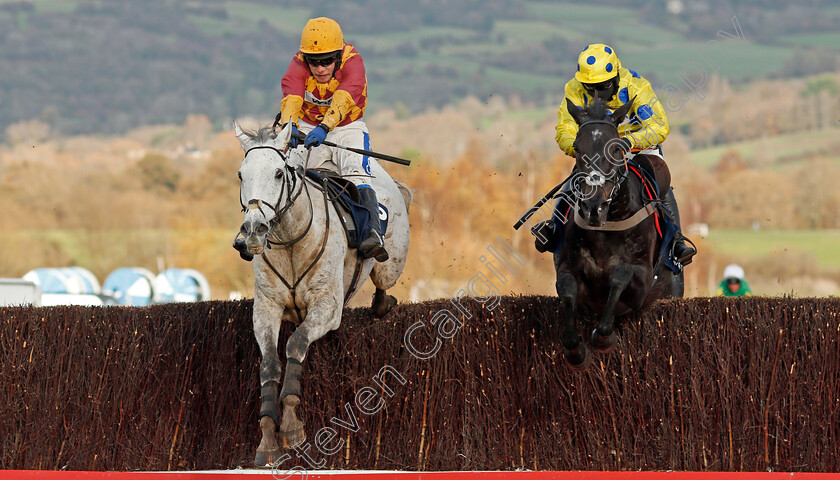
106, 66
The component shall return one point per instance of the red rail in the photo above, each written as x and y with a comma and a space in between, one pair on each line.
351, 475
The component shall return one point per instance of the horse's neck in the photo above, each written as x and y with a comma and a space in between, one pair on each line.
296, 220
627, 201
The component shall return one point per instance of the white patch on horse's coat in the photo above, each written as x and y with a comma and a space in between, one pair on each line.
596, 134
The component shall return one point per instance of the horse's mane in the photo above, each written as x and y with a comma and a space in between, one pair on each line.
597, 110
261, 136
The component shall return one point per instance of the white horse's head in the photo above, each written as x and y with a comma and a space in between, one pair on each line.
267, 183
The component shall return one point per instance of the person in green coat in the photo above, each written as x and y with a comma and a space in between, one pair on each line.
733, 284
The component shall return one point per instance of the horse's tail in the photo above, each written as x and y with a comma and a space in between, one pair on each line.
406, 193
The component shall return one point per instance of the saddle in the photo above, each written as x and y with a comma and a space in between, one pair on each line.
345, 197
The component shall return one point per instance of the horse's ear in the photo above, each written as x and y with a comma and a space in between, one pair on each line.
574, 111
244, 139
618, 115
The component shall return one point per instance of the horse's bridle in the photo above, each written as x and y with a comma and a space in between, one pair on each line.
289, 185
622, 173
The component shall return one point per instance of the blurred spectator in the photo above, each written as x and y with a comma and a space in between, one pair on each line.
733, 284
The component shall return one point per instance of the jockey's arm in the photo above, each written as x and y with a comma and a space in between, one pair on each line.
567, 128
294, 86
649, 111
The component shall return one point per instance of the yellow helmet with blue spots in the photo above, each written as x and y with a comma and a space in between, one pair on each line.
597, 63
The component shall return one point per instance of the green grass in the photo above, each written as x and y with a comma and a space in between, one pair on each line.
414, 36
570, 13
54, 6
831, 40
287, 20
767, 152
733, 59
747, 244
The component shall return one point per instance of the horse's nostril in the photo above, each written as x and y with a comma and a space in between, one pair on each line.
262, 229
243, 229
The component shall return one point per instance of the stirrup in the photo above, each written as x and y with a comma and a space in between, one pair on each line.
544, 230
374, 251
688, 252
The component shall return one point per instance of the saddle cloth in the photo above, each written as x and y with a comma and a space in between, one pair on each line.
345, 197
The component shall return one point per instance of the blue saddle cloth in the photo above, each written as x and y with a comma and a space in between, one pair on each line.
345, 197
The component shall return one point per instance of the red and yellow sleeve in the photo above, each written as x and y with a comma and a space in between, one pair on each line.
294, 86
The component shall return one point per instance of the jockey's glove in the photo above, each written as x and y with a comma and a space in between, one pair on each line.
626, 145
316, 136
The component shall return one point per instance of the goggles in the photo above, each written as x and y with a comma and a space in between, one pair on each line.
320, 62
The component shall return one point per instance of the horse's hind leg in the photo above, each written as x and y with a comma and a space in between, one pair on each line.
384, 276
382, 303
266, 330
604, 337
574, 350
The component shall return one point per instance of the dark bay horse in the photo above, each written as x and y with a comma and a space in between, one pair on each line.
611, 251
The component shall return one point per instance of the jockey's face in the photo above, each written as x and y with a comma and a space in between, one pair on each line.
604, 90
321, 68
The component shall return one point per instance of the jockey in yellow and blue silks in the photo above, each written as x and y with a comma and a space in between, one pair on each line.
600, 74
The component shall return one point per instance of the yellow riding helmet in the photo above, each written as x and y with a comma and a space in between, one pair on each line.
321, 35
597, 63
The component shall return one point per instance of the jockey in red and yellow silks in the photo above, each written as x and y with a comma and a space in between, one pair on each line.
339, 102
600, 74
324, 97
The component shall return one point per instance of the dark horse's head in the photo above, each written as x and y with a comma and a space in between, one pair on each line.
599, 162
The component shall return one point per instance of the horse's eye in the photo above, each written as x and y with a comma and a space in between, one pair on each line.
239, 174
278, 173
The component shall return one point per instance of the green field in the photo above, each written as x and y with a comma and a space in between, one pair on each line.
831, 40
771, 152
796, 245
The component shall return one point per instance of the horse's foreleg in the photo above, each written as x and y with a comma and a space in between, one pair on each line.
267, 330
317, 323
574, 350
604, 337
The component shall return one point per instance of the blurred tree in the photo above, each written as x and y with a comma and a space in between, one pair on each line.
157, 173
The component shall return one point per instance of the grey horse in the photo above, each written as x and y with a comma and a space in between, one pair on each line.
303, 268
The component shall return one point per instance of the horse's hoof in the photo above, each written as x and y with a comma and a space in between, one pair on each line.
292, 439
266, 458
291, 428
603, 344
268, 451
578, 359
383, 305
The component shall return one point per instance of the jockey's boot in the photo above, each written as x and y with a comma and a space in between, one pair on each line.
546, 235
374, 245
682, 252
